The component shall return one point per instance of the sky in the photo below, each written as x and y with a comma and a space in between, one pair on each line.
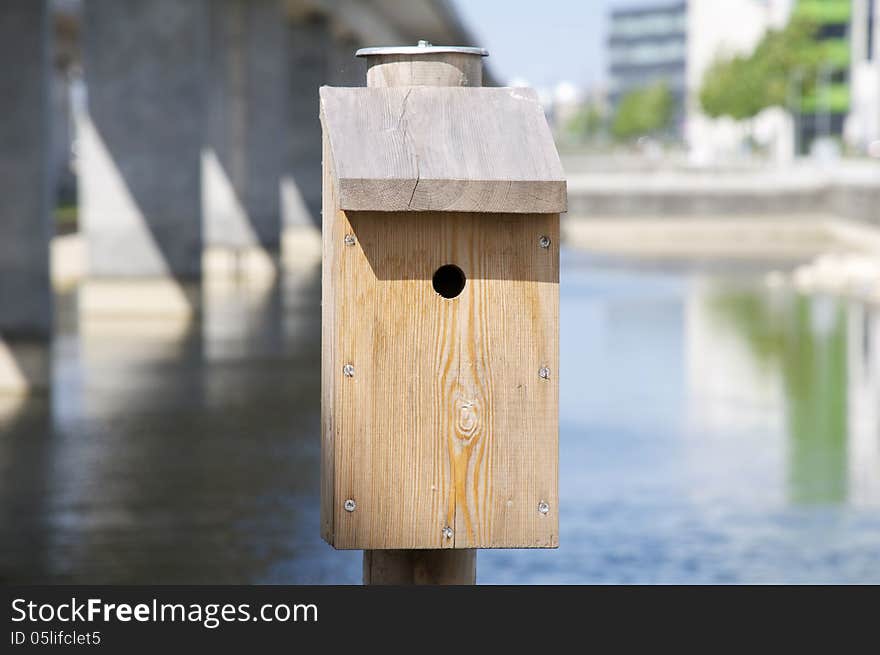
542, 42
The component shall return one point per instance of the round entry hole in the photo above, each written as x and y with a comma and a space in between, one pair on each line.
449, 281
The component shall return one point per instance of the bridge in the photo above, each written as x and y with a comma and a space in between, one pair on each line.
198, 143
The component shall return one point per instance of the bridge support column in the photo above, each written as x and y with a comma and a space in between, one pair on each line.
25, 296
247, 129
301, 187
345, 68
140, 168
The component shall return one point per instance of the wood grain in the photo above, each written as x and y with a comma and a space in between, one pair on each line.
331, 245
446, 421
420, 567
436, 69
442, 149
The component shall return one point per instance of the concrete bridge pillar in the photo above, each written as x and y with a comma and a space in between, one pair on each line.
25, 297
345, 68
309, 61
247, 116
141, 144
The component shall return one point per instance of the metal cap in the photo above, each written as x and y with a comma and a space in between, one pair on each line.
423, 48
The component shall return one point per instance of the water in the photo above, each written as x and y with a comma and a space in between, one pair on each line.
712, 430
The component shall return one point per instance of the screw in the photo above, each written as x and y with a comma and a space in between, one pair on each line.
543, 507
544, 241
447, 532
348, 371
349, 505
544, 373
349, 239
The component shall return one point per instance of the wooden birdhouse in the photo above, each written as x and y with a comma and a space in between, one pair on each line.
440, 308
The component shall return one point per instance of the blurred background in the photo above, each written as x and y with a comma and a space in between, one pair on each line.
160, 283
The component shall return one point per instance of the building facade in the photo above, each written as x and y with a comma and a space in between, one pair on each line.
842, 102
862, 128
648, 44
676, 42
823, 104
725, 28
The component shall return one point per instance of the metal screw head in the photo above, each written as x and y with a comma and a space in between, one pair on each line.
544, 241
543, 507
348, 240
544, 373
348, 371
447, 532
349, 505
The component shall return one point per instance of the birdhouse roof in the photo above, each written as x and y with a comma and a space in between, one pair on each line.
441, 149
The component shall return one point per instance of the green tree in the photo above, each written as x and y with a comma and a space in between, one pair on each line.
585, 124
643, 111
742, 86
733, 87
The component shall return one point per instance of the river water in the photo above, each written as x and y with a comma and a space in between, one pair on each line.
713, 429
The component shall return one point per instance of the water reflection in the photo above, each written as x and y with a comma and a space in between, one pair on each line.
25, 485
803, 341
712, 430
174, 451
863, 406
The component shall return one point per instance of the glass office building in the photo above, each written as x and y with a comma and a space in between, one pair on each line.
823, 107
648, 44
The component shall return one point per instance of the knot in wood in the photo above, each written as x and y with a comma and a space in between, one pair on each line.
468, 420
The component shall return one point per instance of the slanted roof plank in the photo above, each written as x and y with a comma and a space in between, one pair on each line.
442, 149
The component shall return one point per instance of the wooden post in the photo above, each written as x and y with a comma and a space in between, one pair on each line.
422, 65
435, 566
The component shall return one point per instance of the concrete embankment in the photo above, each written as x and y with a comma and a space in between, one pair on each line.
851, 191
822, 223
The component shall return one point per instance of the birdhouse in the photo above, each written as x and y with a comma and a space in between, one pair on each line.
440, 308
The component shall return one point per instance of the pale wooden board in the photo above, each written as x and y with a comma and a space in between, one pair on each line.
442, 149
446, 421
332, 235
446, 69
404, 567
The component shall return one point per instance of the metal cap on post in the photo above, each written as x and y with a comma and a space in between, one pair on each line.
424, 65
